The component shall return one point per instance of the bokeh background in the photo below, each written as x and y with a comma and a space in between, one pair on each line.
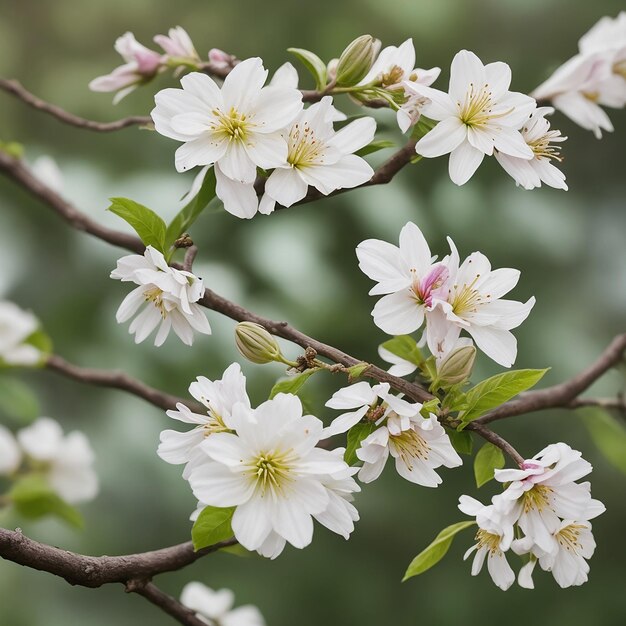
300, 265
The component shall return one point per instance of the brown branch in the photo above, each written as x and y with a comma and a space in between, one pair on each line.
165, 602
95, 571
119, 380
496, 440
611, 404
563, 395
16, 89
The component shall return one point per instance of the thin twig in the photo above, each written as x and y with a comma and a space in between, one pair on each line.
119, 380
496, 440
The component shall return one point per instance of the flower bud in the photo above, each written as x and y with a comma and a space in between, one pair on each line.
256, 344
356, 60
456, 367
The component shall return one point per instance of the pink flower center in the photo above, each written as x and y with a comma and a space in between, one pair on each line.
424, 289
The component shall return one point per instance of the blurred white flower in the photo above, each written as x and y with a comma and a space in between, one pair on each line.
477, 116
530, 173
141, 65
16, 325
10, 453
215, 607
66, 460
46, 169
169, 295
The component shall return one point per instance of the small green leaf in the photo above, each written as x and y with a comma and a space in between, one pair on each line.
497, 390
190, 212
17, 401
356, 371
436, 550
488, 459
313, 63
405, 347
462, 441
34, 498
608, 434
12, 148
355, 436
423, 126
432, 406
212, 526
292, 384
41, 340
147, 224
375, 146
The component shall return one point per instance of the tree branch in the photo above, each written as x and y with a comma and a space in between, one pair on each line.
119, 380
496, 440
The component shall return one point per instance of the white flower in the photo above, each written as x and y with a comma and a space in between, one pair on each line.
530, 173
46, 169
141, 65
16, 326
215, 607
67, 459
407, 274
494, 537
177, 44
319, 157
399, 366
270, 470
543, 493
573, 545
170, 297
219, 397
395, 65
478, 115
10, 453
471, 300
237, 127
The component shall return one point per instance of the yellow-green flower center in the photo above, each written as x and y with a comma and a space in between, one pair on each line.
410, 447
488, 540
477, 108
271, 472
233, 125
569, 537
537, 498
304, 147
155, 295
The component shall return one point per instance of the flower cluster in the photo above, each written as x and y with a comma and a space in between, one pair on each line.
595, 76
244, 125
169, 295
264, 462
215, 607
65, 461
551, 513
16, 326
479, 116
142, 64
448, 296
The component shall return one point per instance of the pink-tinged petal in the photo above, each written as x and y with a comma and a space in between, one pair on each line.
204, 88
236, 164
251, 523
267, 151
202, 151
499, 345
511, 142
447, 136
286, 186
439, 107
355, 135
498, 77
398, 313
276, 108
464, 161
520, 170
243, 85
215, 485
466, 69
414, 249
382, 262
239, 199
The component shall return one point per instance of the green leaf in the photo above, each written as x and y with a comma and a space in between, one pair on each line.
405, 347
462, 441
41, 340
608, 434
146, 223
12, 148
190, 212
356, 371
212, 526
436, 550
33, 497
432, 406
497, 390
355, 435
488, 459
17, 401
313, 63
292, 384
423, 126
375, 146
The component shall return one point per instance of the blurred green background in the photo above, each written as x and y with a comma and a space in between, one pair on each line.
300, 265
